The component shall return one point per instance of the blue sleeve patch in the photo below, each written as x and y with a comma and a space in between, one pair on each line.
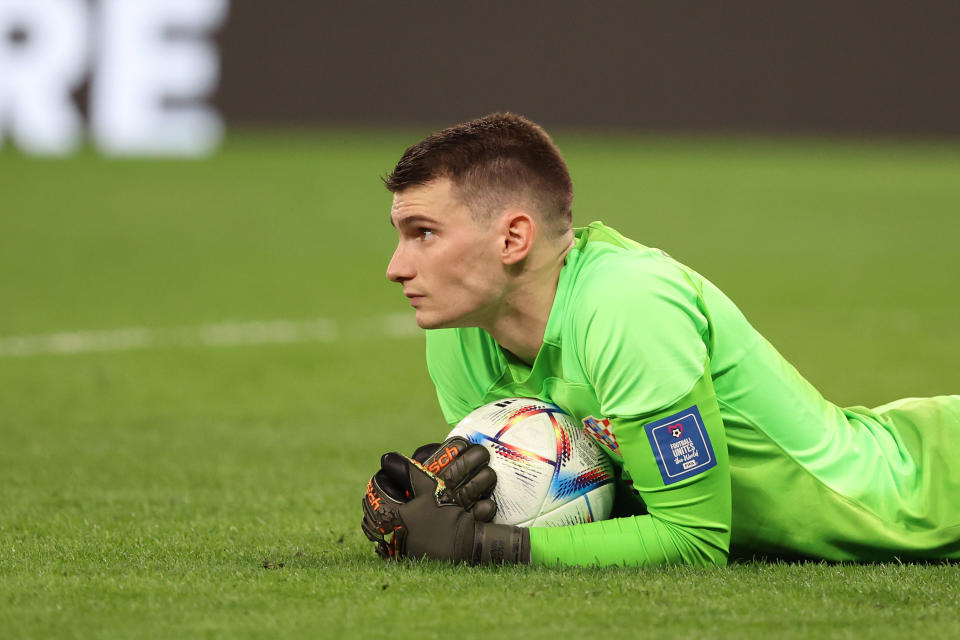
681, 445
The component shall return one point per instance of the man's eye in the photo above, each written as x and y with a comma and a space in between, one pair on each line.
425, 233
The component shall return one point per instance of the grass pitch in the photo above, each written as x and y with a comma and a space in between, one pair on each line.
213, 488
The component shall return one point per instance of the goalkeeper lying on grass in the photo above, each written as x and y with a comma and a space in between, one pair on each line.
518, 303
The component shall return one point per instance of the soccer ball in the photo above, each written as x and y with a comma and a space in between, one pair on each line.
549, 471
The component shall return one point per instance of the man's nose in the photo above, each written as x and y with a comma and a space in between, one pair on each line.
399, 269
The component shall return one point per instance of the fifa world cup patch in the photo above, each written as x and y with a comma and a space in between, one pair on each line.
681, 445
600, 430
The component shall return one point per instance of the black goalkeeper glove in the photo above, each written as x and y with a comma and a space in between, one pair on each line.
425, 451
440, 509
472, 486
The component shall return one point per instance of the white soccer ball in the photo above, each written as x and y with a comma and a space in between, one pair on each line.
549, 471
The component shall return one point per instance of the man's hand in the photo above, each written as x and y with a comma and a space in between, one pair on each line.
469, 480
439, 508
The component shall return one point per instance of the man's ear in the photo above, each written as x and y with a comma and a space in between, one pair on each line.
519, 230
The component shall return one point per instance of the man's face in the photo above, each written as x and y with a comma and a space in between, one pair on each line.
449, 265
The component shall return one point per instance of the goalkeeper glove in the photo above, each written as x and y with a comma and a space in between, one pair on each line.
440, 509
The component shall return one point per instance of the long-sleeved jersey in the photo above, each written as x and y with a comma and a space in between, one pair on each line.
726, 444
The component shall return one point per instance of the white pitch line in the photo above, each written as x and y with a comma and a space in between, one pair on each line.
225, 334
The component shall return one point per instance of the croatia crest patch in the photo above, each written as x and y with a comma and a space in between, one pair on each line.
600, 430
681, 445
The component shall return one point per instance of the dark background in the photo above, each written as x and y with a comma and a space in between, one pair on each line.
796, 67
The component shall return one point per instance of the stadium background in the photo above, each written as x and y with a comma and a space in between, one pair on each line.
746, 66
200, 358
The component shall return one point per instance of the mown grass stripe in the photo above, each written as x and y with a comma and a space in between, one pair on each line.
221, 334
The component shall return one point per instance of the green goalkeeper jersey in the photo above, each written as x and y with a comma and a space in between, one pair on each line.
727, 446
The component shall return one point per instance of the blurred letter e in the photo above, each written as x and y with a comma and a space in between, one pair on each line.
43, 58
154, 67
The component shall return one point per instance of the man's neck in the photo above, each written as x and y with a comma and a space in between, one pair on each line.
522, 322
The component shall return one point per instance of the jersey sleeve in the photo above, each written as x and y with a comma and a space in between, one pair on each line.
644, 343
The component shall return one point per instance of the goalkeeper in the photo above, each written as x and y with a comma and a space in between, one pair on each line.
723, 446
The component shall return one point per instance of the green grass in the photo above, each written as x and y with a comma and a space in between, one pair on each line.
215, 491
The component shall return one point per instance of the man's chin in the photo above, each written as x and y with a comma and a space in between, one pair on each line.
432, 321
424, 321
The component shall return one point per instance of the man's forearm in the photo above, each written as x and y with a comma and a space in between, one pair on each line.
633, 541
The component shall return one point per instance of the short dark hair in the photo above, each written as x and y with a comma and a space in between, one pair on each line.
493, 160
